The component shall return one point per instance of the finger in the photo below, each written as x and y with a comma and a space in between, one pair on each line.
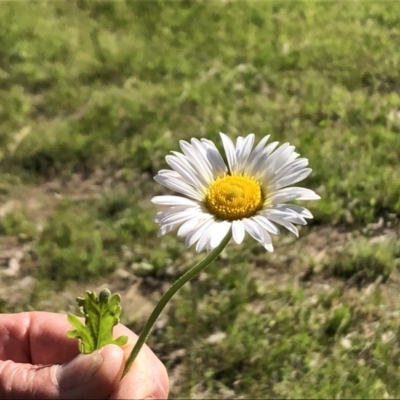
36, 337
41, 338
147, 377
87, 376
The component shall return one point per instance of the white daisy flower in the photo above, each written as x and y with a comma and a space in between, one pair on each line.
247, 195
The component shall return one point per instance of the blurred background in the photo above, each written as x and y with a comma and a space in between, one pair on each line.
94, 94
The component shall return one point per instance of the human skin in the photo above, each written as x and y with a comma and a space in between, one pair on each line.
39, 361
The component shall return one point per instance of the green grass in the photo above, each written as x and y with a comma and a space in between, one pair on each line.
363, 262
94, 94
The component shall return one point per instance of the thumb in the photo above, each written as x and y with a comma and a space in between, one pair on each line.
87, 376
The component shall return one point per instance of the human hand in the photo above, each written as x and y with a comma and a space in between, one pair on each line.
39, 361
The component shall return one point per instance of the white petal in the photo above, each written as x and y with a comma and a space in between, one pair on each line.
300, 210
213, 235
269, 149
194, 236
281, 221
270, 160
205, 238
214, 157
181, 164
197, 160
266, 224
243, 151
239, 143
202, 152
292, 215
283, 158
258, 233
253, 229
293, 193
267, 241
289, 226
293, 178
192, 224
238, 231
229, 151
289, 169
166, 229
179, 217
173, 201
293, 156
178, 186
258, 149
277, 159
171, 210
306, 194
296, 219
279, 212
220, 230
196, 143
168, 172
258, 166
284, 214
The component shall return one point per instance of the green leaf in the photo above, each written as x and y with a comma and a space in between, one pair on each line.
101, 315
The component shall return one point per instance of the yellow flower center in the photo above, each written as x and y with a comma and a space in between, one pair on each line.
234, 197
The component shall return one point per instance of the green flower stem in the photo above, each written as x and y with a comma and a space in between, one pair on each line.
168, 295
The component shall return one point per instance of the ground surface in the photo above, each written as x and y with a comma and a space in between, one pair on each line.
93, 95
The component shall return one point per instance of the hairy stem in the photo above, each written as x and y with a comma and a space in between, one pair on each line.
168, 295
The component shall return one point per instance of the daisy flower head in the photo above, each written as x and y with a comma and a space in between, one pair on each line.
248, 193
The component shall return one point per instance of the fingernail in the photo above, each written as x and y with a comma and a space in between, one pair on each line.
78, 371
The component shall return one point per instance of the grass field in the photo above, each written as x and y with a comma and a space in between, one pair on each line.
94, 94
